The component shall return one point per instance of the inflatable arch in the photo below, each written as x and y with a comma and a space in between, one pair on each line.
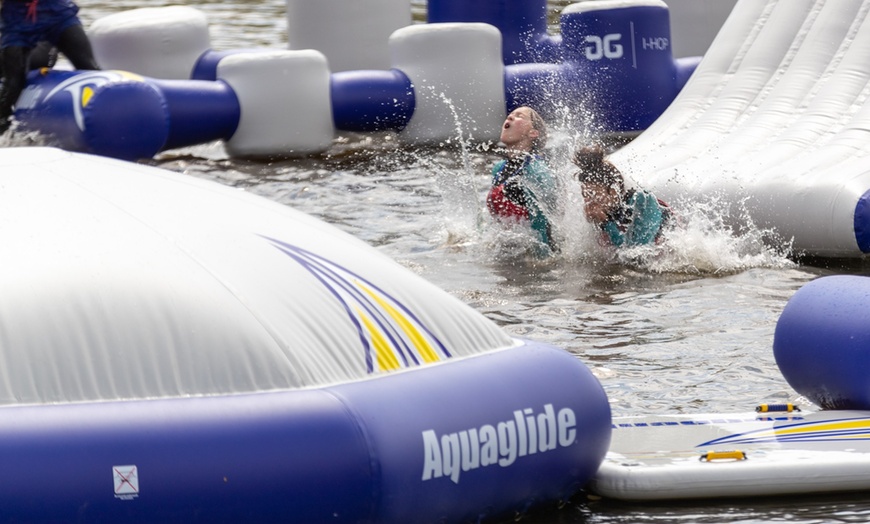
163, 362
613, 58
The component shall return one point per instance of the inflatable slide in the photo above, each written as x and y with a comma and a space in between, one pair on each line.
774, 124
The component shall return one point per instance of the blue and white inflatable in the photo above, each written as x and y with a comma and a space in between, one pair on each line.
822, 342
613, 58
173, 350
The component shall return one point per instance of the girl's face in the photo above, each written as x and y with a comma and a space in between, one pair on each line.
518, 133
598, 201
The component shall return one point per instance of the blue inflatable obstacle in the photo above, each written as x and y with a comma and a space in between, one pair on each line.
822, 342
177, 351
613, 60
123, 115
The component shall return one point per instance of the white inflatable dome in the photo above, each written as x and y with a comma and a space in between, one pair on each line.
122, 281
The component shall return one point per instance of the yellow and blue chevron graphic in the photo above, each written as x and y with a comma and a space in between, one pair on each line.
845, 429
391, 335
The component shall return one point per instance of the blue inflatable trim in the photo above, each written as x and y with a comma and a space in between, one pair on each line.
537, 85
199, 111
822, 342
371, 100
862, 223
520, 22
108, 113
128, 121
468, 439
206, 65
635, 44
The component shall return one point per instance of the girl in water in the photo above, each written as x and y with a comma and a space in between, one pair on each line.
522, 187
625, 217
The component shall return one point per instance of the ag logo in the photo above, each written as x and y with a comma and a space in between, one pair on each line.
606, 47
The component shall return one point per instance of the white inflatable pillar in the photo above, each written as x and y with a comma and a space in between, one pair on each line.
158, 42
458, 77
284, 100
352, 34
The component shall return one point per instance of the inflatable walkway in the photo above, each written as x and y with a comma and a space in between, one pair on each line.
174, 350
775, 121
168, 88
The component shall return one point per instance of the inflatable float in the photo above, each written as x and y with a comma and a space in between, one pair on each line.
773, 126
822, 347
174, 350
612, 59
736, 455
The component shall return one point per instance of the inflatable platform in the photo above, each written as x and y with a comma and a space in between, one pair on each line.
822, 346
736, 455
174, 350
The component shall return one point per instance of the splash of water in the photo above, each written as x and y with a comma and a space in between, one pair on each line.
701, 243
459, 184
15, 137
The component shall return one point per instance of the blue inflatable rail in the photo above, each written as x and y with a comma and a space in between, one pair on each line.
409, 447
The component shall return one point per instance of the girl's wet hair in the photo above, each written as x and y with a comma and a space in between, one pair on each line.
596, 169
541, 127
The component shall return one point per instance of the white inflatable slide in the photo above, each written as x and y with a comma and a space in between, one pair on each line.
774, 120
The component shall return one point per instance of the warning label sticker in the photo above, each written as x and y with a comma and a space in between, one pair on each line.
126, 482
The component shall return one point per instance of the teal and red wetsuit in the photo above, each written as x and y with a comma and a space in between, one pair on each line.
524, 190
640, 220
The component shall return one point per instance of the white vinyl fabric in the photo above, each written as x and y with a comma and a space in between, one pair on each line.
130, 40
458, 77
776, 117
125, 281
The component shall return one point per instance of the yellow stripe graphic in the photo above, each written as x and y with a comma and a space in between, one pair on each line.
424, 349
830, 426
812, 430
387, 360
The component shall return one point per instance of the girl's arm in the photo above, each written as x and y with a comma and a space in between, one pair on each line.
540, 190
647, 219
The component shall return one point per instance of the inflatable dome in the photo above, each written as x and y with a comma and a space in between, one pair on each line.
174, 350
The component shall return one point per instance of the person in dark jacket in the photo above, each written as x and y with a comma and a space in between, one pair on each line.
26, 25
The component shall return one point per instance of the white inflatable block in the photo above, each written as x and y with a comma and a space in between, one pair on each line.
458, 77
285, 102
352, 34
159, 42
